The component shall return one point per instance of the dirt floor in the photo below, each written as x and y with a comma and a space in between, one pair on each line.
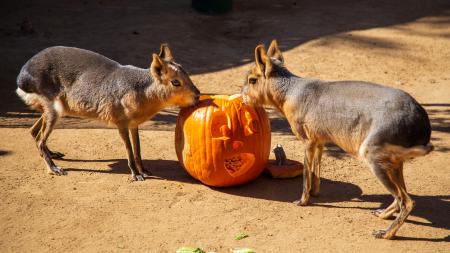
95, 208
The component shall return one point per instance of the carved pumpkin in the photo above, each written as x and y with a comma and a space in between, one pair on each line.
222, 141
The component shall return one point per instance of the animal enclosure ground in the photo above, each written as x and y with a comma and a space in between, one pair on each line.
95, 208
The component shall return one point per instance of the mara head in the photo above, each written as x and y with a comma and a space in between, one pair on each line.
172, 80
256, 89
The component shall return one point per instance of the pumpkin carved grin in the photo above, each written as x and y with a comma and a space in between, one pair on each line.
239, 164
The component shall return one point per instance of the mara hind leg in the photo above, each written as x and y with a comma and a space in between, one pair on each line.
386, 173
37, 130
315, 176
51, 116
307, 173
137, 152
388, 212
395, 206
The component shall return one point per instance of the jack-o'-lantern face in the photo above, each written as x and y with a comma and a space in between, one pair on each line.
236, 160
223, 141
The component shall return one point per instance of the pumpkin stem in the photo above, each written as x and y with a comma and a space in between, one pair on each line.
280, 155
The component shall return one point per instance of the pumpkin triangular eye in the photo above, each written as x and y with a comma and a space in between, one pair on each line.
251, 128
250, 123
220, 126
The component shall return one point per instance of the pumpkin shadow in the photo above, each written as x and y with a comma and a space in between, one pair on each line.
289, 190
160, 169
168, 170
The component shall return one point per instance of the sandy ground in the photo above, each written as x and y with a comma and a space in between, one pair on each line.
95, 208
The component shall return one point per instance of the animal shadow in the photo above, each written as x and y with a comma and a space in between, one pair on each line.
434, 209
289, 190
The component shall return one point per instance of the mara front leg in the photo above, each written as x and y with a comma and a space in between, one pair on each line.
307, 173
315, 176
124, 134
137, 152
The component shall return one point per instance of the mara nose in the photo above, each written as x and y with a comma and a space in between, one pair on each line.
197, 98
196, 94
196, 91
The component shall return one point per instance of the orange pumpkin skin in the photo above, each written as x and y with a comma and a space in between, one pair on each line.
222, 141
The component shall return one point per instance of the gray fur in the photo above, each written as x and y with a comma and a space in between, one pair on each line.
389, 115
88, 78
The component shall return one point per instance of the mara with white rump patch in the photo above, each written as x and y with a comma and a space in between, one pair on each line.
71, 81
382, 126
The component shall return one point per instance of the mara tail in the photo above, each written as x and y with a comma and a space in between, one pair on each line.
31, 99
409, 153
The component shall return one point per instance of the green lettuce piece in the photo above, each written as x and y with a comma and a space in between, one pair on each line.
243, 250
240, 236
185, 249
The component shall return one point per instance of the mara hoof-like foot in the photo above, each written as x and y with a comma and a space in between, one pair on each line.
381, 234
301, 202
56, 171
146, 174
137, 177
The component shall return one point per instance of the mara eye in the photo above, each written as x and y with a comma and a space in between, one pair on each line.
252, 80
175, 82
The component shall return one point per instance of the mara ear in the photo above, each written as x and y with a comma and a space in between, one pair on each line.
263, 63
158, 67
274, 51
165, 52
